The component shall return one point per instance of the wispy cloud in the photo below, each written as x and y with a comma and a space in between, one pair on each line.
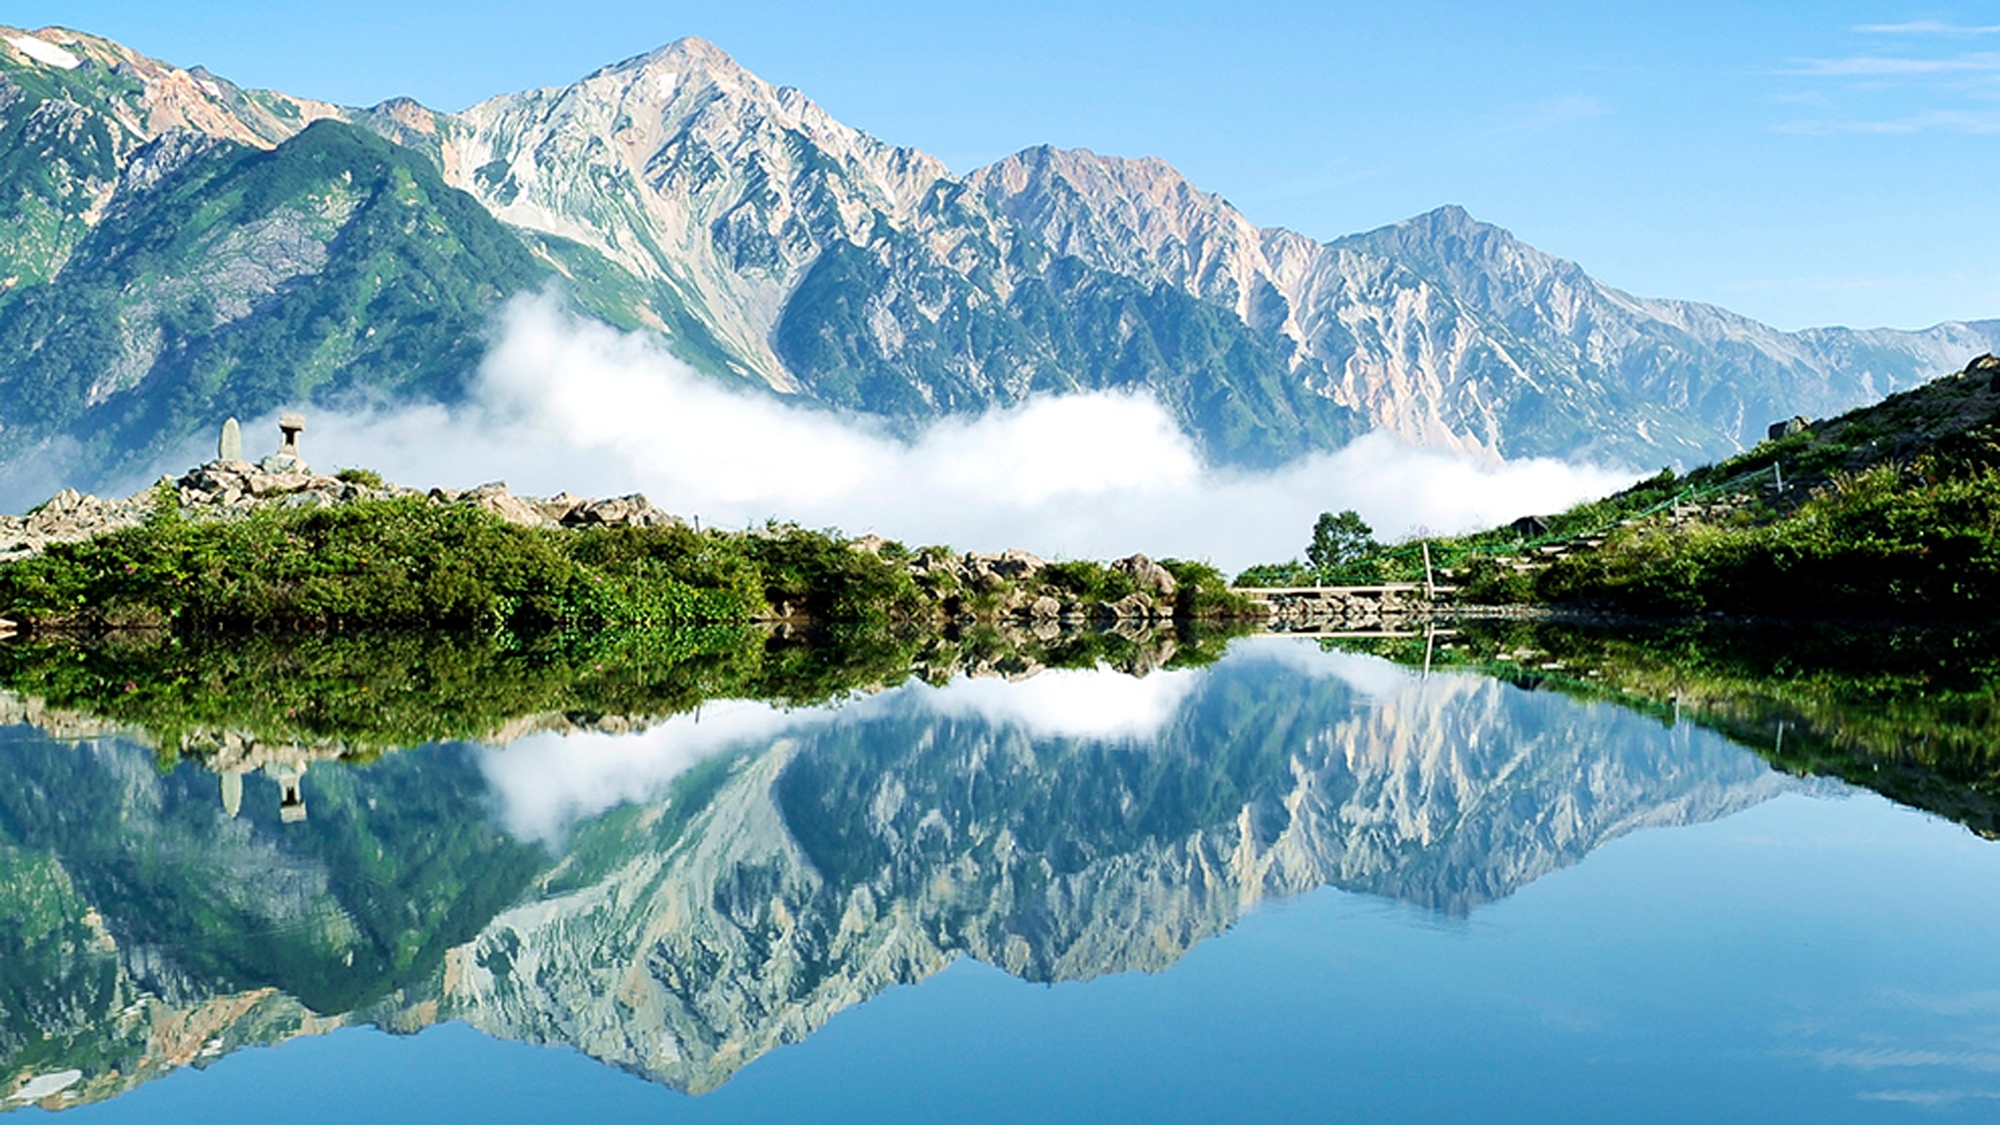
1883, 1058
1969, 122
1891, 66
1918, 85
1927, 27
1556, 113
1927, 1097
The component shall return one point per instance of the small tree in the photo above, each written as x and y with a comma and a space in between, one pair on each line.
1339, 540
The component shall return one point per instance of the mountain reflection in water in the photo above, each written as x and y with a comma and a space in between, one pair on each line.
679, 895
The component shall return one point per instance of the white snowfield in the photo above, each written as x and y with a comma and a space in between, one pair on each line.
44, 1085
43, 51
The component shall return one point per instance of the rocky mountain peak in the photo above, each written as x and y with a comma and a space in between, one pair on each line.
691, 172
169, 97
1136, 217
1449, 241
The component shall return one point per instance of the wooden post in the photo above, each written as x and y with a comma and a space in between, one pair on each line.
1430, 586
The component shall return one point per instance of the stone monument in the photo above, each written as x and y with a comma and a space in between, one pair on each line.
287, 459
230, 447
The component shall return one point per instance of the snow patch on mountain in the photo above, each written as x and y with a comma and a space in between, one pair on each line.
41, 50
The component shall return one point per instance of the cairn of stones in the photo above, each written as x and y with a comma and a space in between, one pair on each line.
231, 486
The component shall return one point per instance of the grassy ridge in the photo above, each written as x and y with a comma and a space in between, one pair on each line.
1888, 511
1892, 540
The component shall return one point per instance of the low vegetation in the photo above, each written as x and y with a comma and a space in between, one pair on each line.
1891, 510
411, 562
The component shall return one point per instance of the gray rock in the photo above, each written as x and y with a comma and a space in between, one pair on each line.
1795, 424
1148, 575
495, 498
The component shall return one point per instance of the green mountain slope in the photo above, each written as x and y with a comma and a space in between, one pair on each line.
243, 280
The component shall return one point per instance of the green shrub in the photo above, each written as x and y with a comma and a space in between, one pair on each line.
410, 563
1202, 591
1886, 541
1089, 581
1270, 575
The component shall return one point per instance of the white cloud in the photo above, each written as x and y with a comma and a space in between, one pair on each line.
1095, 704
1371, 677
563, 403
1926, 27
1880, 66
542, 784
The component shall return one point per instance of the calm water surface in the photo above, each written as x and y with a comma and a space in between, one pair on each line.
1294, 884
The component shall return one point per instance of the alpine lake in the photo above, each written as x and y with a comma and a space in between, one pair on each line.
1466, 871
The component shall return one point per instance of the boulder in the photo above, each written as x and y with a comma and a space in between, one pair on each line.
495, 498
559, 506
1129, 606
1147, 575
1798, 423
1016, 563
619, 511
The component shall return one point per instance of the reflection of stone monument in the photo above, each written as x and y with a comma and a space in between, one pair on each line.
234, 755
287, 459
291, 800
232, 793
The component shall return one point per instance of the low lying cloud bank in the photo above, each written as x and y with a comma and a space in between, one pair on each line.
565, 403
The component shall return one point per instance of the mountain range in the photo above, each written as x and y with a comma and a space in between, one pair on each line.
185, 248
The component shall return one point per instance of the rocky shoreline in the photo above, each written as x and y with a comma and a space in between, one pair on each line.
225, 489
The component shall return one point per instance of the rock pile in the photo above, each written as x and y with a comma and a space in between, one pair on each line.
560, 510
67, 517
232, 489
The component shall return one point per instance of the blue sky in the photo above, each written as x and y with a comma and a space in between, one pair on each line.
1803, 163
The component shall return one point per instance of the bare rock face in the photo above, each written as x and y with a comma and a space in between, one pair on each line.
496, 499
1147, 575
